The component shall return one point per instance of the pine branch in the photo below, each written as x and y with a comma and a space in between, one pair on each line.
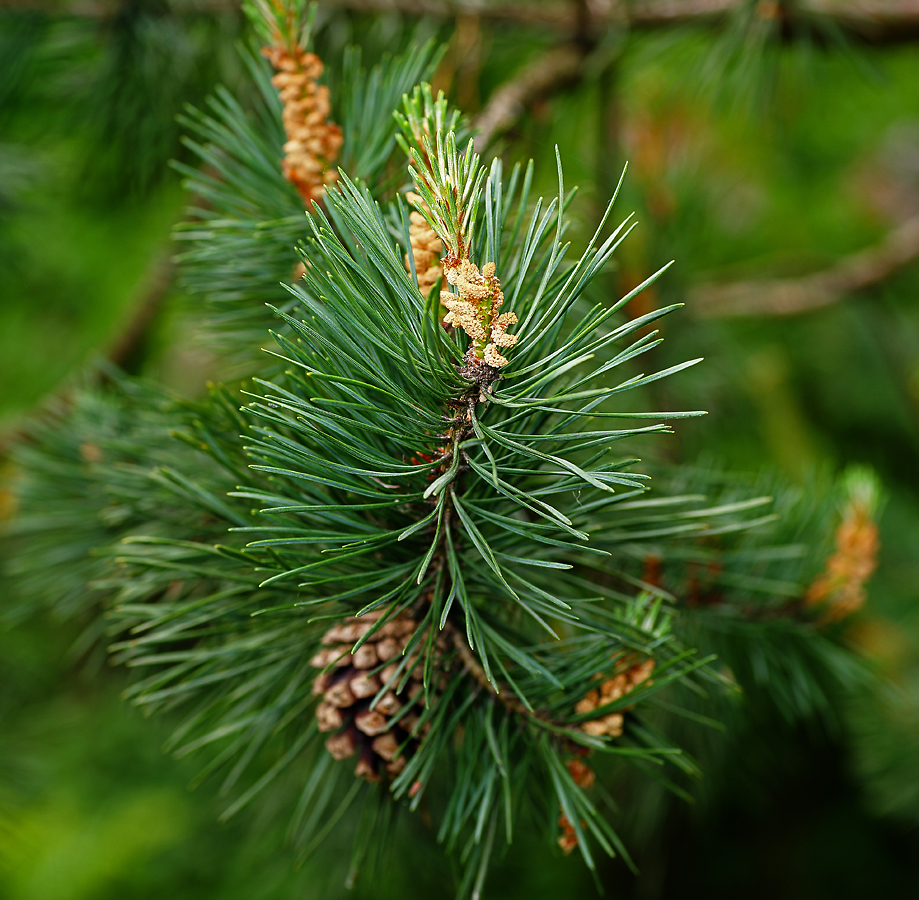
879, 22
408, 480
553, 70
792, 296
128, 345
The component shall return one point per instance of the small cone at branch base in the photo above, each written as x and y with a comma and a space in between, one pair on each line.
385, 733
611, 690
474, 308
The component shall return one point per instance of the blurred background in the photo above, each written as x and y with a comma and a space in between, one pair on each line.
773, 152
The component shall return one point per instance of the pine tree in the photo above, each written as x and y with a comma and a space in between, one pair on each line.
416, 568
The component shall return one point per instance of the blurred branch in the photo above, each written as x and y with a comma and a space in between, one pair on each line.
129, 345
552, 70
870, 21
788, 296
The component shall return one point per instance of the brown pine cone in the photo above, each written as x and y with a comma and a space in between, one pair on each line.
610, 690
383, 738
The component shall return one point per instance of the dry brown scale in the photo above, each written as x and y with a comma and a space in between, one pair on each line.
840, 590
427, 248
313, 141
383, 738
609, 691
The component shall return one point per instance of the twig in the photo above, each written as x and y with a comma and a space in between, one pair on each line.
788, 296
126, 347
478, 674
553, 70
868, 21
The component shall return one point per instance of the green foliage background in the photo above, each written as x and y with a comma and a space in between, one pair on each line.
735, 180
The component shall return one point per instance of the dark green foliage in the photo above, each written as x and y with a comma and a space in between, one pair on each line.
390, 471
362, 510
247, 218
100, 465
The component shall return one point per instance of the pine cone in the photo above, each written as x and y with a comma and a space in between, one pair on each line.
385, 737
610, 690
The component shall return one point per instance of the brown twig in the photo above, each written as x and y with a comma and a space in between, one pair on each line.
868, 21
128, 345
789, 296
871, 21
478, 674
553, 70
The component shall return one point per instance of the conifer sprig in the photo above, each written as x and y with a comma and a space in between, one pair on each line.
412, 492
246, 218
283, 23
448, 184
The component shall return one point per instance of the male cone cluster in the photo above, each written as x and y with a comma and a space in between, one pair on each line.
313, 141
427, 248
384, 735
584, 777
840, 590
475, 309
609, 691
